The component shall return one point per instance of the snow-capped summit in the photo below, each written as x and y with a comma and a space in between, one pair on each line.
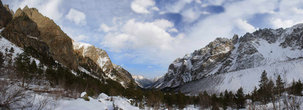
101, 58
238, 62
143, 82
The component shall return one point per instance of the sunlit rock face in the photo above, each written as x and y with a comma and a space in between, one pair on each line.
101, 58
29, 28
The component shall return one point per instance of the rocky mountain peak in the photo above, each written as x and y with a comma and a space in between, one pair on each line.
101, 58
5, 15
221, 56
98, 55
59, 43
30, 29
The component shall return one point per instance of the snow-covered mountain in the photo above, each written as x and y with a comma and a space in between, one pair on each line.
238, 62
101, 58
144, 82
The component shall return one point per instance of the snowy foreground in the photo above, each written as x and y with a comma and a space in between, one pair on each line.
103, 102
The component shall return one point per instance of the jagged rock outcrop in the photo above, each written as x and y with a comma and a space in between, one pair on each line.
60, 45
123, 76
204, 60
23, 32
5, 15
101, 58
219, 64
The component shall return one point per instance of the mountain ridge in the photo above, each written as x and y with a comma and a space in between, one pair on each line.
222, 56
30, 29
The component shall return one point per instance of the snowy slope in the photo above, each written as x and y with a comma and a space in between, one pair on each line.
247, 78
238, 62
143, 82
103, 102
5, 44
101, 58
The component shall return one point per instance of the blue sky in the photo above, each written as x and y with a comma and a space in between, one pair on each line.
145, 36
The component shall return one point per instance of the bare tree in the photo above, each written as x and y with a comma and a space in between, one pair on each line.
10, 94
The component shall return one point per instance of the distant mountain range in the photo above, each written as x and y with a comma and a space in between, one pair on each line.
144, 82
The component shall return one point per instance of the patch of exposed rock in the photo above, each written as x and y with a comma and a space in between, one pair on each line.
101, 58
59, 43
5, 15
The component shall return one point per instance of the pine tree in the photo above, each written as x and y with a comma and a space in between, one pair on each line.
181, 100
240, 99
214, 102
204, 100
22, 65
254, 95
264, 80
33, 67
279, 89
1, 59
296, 88
266, 87
40, 70
270, 90
226, 99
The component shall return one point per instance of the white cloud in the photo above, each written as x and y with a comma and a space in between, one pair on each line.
155, 8
163, 23
198, 1
244, 26
80, 37
147, 41
76, 16
139, 35
141, 6
105, 28
232, 21
49, 8
288, 15
178, 6
278, 23
282, 23
173, 30
205, 13
190, 15
297, 10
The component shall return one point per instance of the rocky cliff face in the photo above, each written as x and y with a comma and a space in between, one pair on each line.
191, 66
123, 76
30, 29
101, 58
60, 45
208, 68
5, 15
